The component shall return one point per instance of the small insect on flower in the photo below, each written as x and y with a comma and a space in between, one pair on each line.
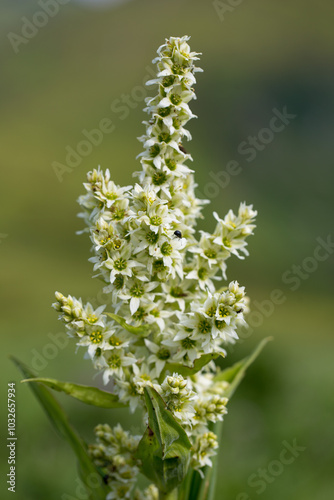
183, 149
178, 233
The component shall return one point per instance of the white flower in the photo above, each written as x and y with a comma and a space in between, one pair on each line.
160, 356
138, 292
232, 231
115, 361
177, 292
96, 338
144, 377
188, 348
119, 263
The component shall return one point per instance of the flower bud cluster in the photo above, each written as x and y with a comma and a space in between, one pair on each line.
114, 454
204, 448
179, 398
159, 273
210, 409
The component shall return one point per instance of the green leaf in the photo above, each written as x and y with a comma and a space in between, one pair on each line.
84, 393
187, 371
204, 488
140, 331
234, 374
164, 450
88, 472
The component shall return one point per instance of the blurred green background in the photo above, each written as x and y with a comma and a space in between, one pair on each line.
257, 55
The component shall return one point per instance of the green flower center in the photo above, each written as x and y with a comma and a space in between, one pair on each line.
203, 273
92, 318
177, 69
159, 266
114, 341
96, 337
164, 111
204, 326
211, 311
156, 220
115, 361
119, 281
163, 354
152, 237
226, 242
137, 290
139, 314
154, 150
117, 244
111, 196
164, 137
166, 248
223, 312
220, 324
177, 292
171, 164
175, 99
118, 214
167, 81
159, 178
188, 343
120, 264
210, 254
103, 241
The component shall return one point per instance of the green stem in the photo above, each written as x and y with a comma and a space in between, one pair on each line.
168, 496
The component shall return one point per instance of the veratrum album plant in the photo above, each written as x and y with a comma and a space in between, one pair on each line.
170, 315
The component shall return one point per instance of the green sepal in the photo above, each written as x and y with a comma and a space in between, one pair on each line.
60, 422
164, 450
140, 331
86, 394
188, 371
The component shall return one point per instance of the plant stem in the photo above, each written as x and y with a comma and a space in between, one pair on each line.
168, 496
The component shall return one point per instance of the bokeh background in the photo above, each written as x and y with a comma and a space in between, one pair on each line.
257, 55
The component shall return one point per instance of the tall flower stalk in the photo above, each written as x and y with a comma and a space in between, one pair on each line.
173, 312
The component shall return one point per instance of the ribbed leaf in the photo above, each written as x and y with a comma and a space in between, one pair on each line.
164, 450
59, 420
84, 393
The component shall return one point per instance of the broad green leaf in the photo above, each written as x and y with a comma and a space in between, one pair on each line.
88, 472
164, 450
84, 393
204, 488
187, 371
140, 331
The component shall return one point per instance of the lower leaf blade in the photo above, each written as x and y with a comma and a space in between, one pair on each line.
60, 422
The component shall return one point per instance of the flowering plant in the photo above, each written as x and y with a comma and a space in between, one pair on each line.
167, 321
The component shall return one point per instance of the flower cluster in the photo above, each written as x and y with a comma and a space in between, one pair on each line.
160, 276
